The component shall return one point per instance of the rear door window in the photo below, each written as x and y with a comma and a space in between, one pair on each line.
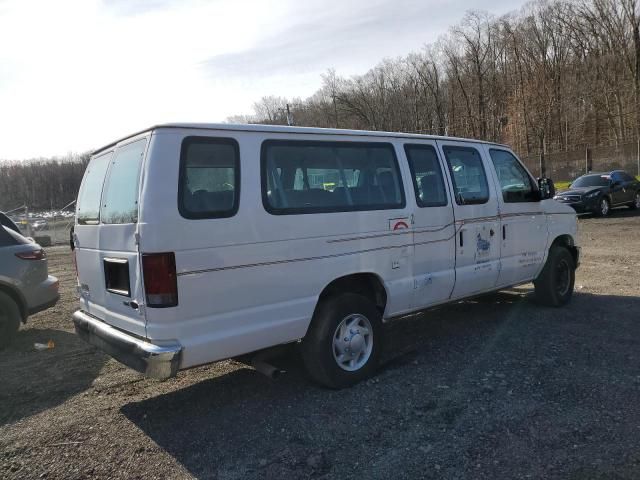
468, 175
427, 175
9, 237
88, 208
120, 197
209, 178
6, 239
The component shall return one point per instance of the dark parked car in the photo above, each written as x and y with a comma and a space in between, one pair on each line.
598, 193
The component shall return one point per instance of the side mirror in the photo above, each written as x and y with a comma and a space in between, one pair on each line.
615, 183
547, 188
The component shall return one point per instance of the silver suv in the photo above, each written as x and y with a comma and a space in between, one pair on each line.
25, 284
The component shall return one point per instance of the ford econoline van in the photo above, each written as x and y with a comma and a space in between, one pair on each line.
196, 243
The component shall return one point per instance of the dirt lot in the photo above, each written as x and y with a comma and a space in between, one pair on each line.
492, 388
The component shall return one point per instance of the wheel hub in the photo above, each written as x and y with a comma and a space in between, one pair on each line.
353, 342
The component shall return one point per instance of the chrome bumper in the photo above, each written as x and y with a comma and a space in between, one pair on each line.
151, 360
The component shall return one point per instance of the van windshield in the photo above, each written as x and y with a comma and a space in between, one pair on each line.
88, 208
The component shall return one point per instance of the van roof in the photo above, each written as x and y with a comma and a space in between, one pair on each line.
286, 129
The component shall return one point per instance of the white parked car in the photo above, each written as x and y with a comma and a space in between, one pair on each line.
197, 243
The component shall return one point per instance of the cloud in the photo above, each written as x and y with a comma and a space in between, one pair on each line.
138, 7
353, 35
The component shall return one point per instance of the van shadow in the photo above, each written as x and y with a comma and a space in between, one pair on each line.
32, 381
242, 425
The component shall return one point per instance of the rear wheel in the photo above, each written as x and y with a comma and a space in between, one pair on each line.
604, 207
635, 205
554, 285
9, 320
343, 344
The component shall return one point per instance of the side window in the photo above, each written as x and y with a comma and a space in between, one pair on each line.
468, 175
88, 207
622, 177
5, 238
514, 180
316, 177
426, 175
120, 197
209, 178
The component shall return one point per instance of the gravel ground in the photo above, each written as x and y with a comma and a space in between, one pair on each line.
497, 387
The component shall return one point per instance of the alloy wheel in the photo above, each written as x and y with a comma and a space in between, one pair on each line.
353, 342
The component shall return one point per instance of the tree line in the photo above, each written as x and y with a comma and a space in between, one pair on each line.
41, 184
557, 75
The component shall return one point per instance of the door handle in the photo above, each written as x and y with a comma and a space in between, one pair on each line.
504, 232
461, 239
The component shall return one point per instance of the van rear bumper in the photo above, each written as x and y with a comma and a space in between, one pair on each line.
155, 361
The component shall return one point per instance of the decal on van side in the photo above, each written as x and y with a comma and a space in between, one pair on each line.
399, 223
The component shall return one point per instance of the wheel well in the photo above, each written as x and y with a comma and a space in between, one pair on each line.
567, 242
16, 297
366, 284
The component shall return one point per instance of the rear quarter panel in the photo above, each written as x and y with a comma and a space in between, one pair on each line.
23, 275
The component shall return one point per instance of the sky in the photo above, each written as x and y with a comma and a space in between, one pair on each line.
77, 74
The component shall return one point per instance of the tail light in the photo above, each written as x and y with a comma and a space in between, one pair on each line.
32, 255
159, 273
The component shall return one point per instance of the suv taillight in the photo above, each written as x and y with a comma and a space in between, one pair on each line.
159, 273
32, 255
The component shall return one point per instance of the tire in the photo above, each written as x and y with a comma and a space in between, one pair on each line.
604, 207
635, 205
9, 320
554, 285
328, 358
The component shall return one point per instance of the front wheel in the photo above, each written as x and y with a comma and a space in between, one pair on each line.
635, 205
343, 344
9, 320
554, 285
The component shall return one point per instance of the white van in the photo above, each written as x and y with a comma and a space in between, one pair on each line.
196, 243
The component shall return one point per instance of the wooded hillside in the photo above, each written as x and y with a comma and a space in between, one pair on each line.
555, 76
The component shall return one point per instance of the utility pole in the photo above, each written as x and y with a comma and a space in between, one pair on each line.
289, 117
26, 218
586, 159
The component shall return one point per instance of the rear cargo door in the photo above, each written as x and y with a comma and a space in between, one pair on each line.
109, 273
